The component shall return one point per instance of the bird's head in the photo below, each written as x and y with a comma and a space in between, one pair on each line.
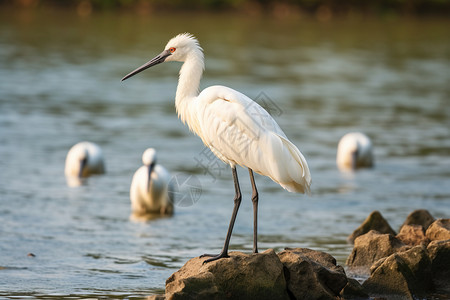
149, 157
179, 48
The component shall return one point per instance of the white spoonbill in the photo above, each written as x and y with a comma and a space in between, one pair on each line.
236, 129
83, 159
354, 151
149, 192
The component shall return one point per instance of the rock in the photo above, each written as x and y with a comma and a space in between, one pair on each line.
439, 253
413, 235
354, 290
439, 230
292, 274
419, 217
312, 274
372, 246
374, 221
418, 261
241, 276
406, 274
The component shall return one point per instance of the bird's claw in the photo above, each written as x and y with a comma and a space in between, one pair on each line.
207, 255
213, 257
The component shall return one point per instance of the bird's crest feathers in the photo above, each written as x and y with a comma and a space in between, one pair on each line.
183, 40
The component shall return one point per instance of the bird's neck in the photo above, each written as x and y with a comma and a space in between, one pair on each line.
188, 84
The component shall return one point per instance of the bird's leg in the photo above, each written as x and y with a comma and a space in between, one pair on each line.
255, 211
237, 203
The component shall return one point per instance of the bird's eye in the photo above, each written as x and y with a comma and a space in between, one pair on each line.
172, 49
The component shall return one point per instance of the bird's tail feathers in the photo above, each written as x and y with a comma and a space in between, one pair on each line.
303, 183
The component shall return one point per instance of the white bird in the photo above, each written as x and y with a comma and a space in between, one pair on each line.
354, 151
83, 159
236, 129
149, 192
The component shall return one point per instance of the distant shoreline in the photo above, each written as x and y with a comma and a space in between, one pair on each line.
320, 9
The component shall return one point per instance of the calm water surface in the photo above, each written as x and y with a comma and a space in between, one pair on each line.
60, 84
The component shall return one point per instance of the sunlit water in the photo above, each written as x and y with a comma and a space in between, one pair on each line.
60, 84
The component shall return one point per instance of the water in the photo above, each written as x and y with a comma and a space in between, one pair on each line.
60, 84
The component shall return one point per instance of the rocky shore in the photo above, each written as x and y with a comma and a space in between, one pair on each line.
413, 264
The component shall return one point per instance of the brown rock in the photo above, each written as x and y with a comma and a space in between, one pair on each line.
374, 221
354, 290
418, 261
406, 274
372, 246
439, 253
312, 274
439, 230
413, 235
419, 217
241, 276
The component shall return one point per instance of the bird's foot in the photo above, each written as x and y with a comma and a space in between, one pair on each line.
213, 257
207, 255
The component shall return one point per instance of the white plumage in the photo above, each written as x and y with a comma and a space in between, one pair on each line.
240, 132
236, 129
84, 159
354, 151
149, 191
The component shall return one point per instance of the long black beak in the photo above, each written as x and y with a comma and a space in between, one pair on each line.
157, 60
150, 171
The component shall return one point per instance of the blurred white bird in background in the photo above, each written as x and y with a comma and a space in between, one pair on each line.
354, 151
236, 129
83, 159
150, 191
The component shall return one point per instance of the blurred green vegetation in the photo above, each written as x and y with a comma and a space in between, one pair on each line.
283, 7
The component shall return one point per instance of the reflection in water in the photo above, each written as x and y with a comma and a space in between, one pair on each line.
61, 84
148, 217
74, 181
348, 186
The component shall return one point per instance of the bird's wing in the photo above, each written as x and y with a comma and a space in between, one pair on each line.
226, 105
239, 131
